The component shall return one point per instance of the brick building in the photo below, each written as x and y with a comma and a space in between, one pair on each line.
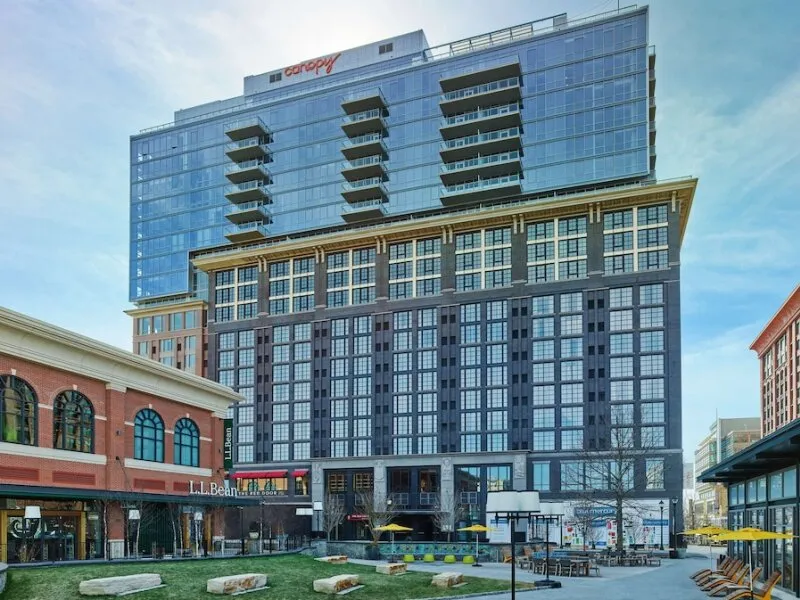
778, 349
99, 446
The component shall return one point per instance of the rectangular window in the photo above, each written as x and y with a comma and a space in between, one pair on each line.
541, 476
621, 391
572, 439
571, 302
572, 325
651, 364
571, 393
570, 347
651, 294
654, 472
572, 370
620, 297
542, 305
652, 389
543, 327
651, 317
621, 343
652, 341
620, 320
544, 418
544, 441
652, 412
653, 437
622, 414
544, 349
572, 416
543, 372
621, 367
543, 395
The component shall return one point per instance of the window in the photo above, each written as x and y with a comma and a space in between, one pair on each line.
385, 48
244, 454
571, 393
543, 395
18, 411
571, 302
652, 341
187, 443
652, 389
621, 367
652, 437
622, 414
148, 436
652, 412
543, 372
570, 347
544, 349
621, 343
572, 370
651, 294
542, 305
541, 476
543, 327
620, 297
620, 320
651, 364
572, 416
572, 325
274, 77
572, 439
654, 472
544, 441
651, 317
73, 422
544, 418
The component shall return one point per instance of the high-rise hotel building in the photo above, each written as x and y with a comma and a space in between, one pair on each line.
428, 270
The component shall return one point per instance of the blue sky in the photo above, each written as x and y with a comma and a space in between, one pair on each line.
79, 76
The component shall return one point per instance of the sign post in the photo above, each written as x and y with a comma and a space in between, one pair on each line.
227, 447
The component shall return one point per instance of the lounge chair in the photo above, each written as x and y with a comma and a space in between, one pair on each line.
726, 562
716, 580
728, 572
725, 588
760, 592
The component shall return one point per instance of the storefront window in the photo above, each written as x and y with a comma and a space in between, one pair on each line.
498, 479
301, 485
776, 486
790, 483
148, 436
265, 486
17, 411
73, 422
336, 483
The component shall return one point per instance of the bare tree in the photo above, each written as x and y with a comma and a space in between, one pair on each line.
607, 478
379, 511
583, 518
446, 513
333, 513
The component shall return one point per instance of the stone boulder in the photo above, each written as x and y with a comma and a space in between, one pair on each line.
447, 580
231, 584
335, 584
391, 568
111, 586
338, 559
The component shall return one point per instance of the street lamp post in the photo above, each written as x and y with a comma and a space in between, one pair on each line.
673, 524
317, 512
241, 528
513, 506
661, 524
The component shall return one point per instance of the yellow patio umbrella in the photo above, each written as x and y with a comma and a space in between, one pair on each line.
393, 528
476, 529
709, 530
752, 534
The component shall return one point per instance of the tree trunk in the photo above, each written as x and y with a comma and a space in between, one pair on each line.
620, 526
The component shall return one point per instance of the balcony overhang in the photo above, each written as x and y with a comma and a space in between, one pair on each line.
488, 98
463, 80
370, 124
478, 194
510, 166
355, 105
365, 192
246, 193
249, 212
367, 171
241, 233
248, 149
249, 171
363, 211
246, 128
366, 148
463, 127
484, 146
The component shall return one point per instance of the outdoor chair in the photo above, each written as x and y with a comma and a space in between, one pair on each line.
717, 580
565, 567
728, 572
507, 558
553, 567
722, 567
761, 592
726, 587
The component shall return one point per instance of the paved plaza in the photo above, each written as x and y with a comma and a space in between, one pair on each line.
667, 582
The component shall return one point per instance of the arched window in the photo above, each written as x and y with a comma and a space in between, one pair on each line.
18, 408
73, 422
187, 443
148, 436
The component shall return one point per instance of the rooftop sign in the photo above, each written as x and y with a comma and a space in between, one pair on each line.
313, 66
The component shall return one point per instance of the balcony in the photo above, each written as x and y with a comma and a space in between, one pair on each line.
368, 144
248, 212
471, 123
652, 133
247, 128
247, 171
651, 76
485, 167
492, 142
248, 149
247, 192
363, 211
364, 189
481, 189
246, 232
364, 122
487, 94
363, 101
486, 75
364, 168
652, 104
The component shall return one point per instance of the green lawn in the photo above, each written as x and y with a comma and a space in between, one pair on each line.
289, 578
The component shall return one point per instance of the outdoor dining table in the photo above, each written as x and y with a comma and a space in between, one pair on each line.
581, 566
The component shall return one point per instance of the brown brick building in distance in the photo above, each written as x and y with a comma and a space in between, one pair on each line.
104, 453
778, 349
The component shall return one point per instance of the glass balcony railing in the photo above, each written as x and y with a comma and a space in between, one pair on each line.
364, 162
480, 138
364, 205
251, 229
242, 144
246, 166
367, 138
512, 107
481, 89
479, 184
247, 207
244, 187
478, 161
246, 127
375, 113
364, 183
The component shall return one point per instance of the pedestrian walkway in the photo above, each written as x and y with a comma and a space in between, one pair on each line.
667, 582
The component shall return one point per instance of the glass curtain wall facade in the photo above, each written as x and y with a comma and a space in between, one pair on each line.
399, 128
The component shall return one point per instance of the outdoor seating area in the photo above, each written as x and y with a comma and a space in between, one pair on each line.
734, 579
558, 563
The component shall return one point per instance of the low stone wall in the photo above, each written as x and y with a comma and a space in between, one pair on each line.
3, 575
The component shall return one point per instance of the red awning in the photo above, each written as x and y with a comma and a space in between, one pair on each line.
258, 474
299, 472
